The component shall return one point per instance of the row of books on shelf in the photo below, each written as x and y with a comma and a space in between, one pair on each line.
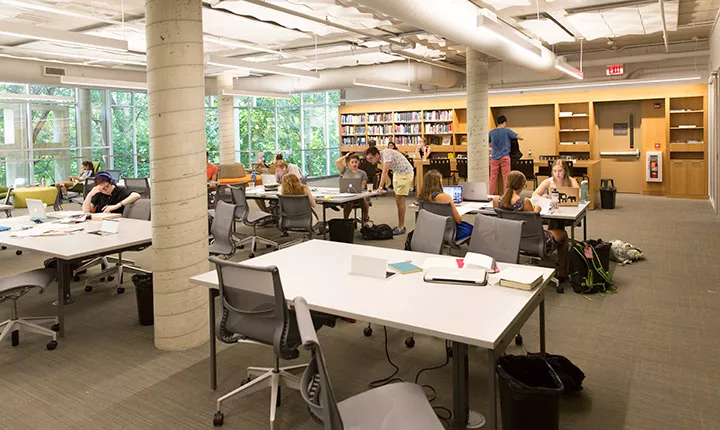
694, 141
438, 128
438, 115
380, 117
406, 116
380, 129
407, 128
358, 129
353, 141
352, 119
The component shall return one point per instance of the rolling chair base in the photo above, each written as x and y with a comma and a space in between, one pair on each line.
32, 325
253, 241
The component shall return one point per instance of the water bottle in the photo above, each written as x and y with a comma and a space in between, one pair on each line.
554, 199
42, 182
584, 189
252, 180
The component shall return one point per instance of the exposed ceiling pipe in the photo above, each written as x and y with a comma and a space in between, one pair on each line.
329, 55
456, 20
662, 16
389, 39
399, 73
646, 58
412, 56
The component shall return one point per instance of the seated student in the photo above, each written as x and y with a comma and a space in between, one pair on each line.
107, 197
432, 191
349, 167
262, 167
282, 167
212, 172
291, 186
87, 171
555, 239
560, 178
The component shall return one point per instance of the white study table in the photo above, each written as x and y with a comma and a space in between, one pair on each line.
487, 317
77, 246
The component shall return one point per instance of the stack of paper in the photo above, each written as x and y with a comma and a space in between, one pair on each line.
566, 114
522, 278
480, 261
567, 143
687, 126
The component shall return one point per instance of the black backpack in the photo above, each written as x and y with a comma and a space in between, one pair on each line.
376, 232
515, 153
589, 267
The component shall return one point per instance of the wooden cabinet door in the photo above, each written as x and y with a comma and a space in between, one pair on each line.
678, 177
696, 178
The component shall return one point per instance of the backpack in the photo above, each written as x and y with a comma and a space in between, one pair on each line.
589, 267
408, 241
624, 252
515, 153
376, 232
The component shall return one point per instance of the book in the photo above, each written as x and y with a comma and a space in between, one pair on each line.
482, 261
104, 216
405, 267
521, 278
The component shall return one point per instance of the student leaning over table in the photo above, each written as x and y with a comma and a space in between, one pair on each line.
107, 197
402, 179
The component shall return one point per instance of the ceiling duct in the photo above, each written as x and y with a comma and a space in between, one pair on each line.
398, 73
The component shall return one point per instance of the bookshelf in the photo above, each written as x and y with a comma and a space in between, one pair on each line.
687, 146
574, 124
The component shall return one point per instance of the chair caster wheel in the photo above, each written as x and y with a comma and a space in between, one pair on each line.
367, 331
251, 256
88, 288
218, 419
241, 247
410, 342
15, 338
52, 345
102, 279
518, 340
4, 247
55, 327
76, 278
560, 289
18, 252
110, 278
120, 290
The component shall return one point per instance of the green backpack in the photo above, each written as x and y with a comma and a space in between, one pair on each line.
589, 267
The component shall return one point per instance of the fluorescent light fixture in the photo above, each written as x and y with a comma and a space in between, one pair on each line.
235, 44
564, 67
508, 33
522, 90
251, 93
216, 60
81, 81
381, 84
136, 60
42, 8
37, 98
61, 36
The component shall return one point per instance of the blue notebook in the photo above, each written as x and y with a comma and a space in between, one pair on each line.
405, 267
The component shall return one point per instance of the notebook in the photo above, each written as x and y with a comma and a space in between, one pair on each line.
103, 216
446, 275
521, 278
405, 267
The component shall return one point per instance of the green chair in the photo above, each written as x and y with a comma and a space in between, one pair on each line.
3, 192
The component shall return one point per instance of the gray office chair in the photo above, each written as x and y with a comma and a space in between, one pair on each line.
13, 288
296, 215
252, 219
444, 209
532, 242
140, 210
261, 317
138, 185
430, 232
5, 206
221, 230
115, 174
496, 237
398, 406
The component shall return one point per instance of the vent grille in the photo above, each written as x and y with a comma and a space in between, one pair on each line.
53, 71
37, 19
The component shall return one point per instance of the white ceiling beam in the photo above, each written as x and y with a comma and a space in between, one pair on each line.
215, 60
61, 36
42, 8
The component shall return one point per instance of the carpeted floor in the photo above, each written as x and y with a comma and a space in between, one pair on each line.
650, 353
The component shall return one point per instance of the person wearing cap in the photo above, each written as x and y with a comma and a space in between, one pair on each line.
107, 197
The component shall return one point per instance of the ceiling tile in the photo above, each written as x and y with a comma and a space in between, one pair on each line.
547, 30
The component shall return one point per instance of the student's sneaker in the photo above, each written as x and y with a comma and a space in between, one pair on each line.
397, 231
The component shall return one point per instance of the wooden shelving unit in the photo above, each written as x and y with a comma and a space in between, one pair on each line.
444, 129
573, 128
687, 122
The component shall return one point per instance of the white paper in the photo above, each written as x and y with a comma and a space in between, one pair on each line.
439, 262
482, 261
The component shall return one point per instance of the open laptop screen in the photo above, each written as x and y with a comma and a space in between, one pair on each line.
455, 192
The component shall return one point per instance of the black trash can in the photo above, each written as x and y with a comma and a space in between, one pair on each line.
144, 295
607, 193
529, 393
342, 230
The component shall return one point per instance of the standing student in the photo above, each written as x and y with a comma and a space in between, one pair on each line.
432, 191
555, 239
423, 150
560, 178
107, 197
500, 146
87, 171
349, 168
391, 145
402, 179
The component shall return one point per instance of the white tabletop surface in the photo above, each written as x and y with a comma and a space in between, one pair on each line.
563, 212
79, 244
473, 315
321, 194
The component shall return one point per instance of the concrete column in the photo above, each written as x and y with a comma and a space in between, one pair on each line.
226, 120
85, 122
176, 108
477, 117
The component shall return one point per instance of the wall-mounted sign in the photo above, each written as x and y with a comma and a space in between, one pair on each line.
620, 129
657, 145
614, 70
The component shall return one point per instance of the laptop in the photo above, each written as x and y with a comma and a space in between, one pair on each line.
569, 196
108, 227
475, 191
448, 275
456, 192
345, 185
36, 210
268, 179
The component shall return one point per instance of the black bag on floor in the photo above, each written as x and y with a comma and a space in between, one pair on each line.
376, 232
341, 230
589, 267
408, 241
570, 375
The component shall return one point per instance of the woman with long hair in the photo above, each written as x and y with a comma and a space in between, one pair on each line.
349, 167
291, 186
391, 145
560, 178
432, 191
423, 150
555, 239
87, 171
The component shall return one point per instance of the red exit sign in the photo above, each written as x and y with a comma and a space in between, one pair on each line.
614, 70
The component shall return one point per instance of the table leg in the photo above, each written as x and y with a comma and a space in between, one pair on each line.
325, 226
492, 392
542, 325
212, 293
585, 226
461, 389
63, 281
572, 232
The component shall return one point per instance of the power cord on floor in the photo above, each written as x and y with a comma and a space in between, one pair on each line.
391, 378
